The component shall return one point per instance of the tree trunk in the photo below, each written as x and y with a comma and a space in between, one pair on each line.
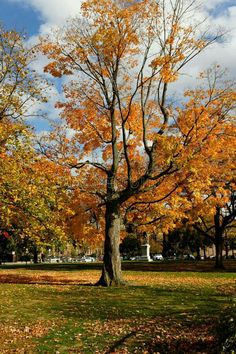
204, 252
219, 249
226, 249
218, 240
35, 254
111, 272
198, 250
165, 246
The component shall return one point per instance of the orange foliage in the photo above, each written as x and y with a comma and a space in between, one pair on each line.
131, 149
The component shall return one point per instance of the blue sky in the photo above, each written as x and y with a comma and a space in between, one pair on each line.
22, 16
38, 17
19, 16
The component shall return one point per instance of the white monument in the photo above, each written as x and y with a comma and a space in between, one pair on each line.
145, 249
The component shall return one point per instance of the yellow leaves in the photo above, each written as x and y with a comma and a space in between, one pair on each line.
57, 70
18, 84
161, 61
168, 75
170, 39
31, 193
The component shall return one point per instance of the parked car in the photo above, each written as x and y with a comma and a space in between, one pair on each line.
66, 259
189, 257
157, 257
171, 258
77, 259
54, 260
138, 258
133, 258
87, 259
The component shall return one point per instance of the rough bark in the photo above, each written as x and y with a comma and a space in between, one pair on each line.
111, 272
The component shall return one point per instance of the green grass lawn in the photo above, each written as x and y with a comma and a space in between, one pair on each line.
53, 309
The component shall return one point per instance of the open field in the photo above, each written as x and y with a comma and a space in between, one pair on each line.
55, 309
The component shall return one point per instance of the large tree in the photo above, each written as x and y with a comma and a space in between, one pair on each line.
129, 141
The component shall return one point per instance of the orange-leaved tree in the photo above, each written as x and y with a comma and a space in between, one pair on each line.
124, 138
211, 189
206, 196
218, 222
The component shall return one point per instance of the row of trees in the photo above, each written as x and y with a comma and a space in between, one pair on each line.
183, 243
126, 150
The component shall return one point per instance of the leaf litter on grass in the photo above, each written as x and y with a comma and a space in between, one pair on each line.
135, 321
16, 338
144, 335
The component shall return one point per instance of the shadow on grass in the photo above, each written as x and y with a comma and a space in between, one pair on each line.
136, 302
60, 267
163, 319
167, 266
157, 320
119, 343
177, 340
42, 280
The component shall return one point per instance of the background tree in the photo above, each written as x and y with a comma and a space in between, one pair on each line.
207, 197
6, 245
212, 203
130, 142
20, 87
217, 223
130, 246
31, 192
184, 241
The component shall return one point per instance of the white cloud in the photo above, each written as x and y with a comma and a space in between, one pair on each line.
213, 4
221, 52
221, 13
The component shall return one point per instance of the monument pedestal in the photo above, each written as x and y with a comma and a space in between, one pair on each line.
145, 253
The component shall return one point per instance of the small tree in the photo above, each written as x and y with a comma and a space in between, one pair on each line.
215, 225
